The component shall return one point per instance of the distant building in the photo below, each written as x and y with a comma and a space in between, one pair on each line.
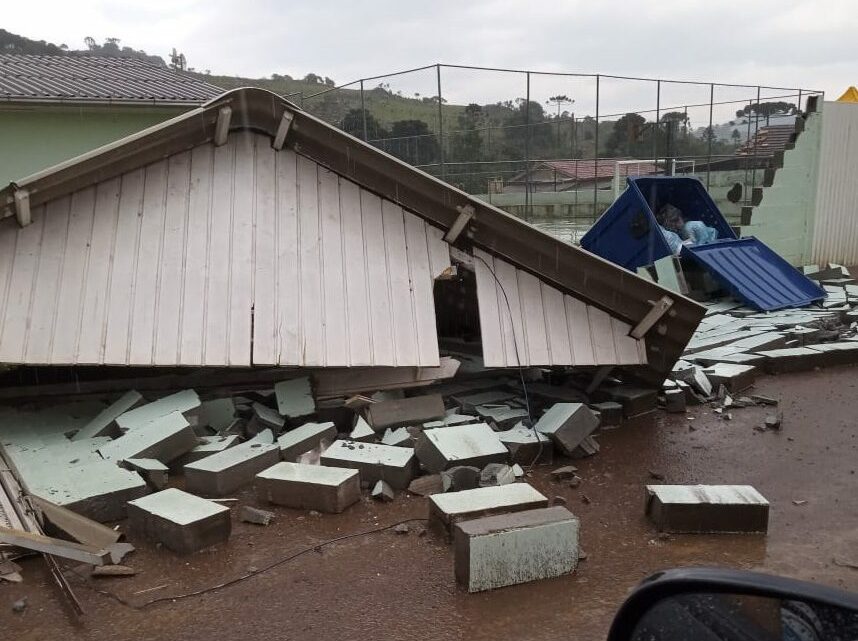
565, 175
53, 108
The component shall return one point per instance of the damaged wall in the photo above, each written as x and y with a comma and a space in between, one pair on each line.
231, 255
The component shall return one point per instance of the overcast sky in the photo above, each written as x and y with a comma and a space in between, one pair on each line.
785, 43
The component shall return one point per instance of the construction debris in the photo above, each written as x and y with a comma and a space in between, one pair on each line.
302, 439
226, 471
164, 438
427, 485
395, 465
447, 509
496, 474
406, 411
707, 508
567, 424
382, 491
153, 471
112, 570
180, 521
363, 432
80, 528
460, 477
104, 424
250, 514
295, 398
476, 445
185, 402
507, 549
54, 547
308, 487
527, 446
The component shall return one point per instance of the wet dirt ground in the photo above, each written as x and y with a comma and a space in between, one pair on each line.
400, 586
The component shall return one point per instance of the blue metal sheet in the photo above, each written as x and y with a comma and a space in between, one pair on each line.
755, 274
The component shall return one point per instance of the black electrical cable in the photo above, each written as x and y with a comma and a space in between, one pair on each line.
532, 425
311, 548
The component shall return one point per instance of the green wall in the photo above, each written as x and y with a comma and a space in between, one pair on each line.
35, 137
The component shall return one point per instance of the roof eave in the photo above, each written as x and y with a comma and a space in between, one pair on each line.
99, 102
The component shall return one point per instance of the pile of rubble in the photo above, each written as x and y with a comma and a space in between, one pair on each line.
733, 343
466, 444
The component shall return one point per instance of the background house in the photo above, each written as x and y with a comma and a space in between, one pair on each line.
53, 108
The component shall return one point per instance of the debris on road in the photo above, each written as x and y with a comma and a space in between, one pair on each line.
250, 514
707, 508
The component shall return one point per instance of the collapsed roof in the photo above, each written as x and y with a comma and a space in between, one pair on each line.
250, 232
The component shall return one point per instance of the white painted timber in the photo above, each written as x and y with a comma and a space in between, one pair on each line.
527, 322
231, 255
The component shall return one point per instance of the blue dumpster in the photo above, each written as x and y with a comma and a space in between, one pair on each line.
629, 235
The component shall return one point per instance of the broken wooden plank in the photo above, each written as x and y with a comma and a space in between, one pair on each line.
659, 309
80, 528
55, 547
354, 380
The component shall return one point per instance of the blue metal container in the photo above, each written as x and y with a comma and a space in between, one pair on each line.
629, 235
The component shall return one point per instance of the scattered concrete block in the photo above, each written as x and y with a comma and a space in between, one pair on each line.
451, 418
395, 465
426, 485
496, 551
635, 400
567, 424
105, 423
250, 514
526, 445
496, 474
695, 377
382, 491
794, 359
610, 413
674, 401
226, 471
707, 508
362, 431
476, 445
182, 522
588, 447
501, 417
399, 437
266, 418
165, 439
840, 353
460, 477
470, 402
518, 471
153, 471
450, 508
406, 411
218, 413
209, 445
734, 377
295, 398
308, 487
184, 402
773, 421
302, 439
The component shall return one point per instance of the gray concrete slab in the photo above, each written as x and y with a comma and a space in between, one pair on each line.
165, 438
526, 445
302, 439
406, 411
452, 507
395, 465
183, 402
104, 424
153, 471
208, 445
295, 398
567, 424
502, 417
308, 487
182, 522
496, 551
226, 471
475, 444
707, 508
735, 378
218, 413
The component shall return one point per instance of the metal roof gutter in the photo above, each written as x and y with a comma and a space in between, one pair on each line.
566, 267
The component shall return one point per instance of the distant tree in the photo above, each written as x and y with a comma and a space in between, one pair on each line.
736, 136
413, 142
329, 82
90, 43
353, 123
314, 79
626, 138
708, 134
768, 109
466, 143
519, 137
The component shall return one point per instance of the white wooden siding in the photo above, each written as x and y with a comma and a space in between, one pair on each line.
234, 255
835, 228
523, 320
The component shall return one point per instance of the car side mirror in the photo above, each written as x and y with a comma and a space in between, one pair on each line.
730, 605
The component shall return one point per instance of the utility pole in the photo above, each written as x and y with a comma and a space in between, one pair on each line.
559, 100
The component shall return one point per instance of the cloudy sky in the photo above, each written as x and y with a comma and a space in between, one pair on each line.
781, 43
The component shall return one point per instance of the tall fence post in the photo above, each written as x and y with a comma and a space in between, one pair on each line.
657, 132
596, 157
527, 198
711, 134
363, 111
756, 140
440, 125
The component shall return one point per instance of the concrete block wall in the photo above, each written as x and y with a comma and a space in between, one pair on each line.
784, 218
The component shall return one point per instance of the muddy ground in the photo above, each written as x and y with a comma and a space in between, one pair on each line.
394, 586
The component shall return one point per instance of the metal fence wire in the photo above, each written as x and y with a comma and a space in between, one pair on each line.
545, 144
